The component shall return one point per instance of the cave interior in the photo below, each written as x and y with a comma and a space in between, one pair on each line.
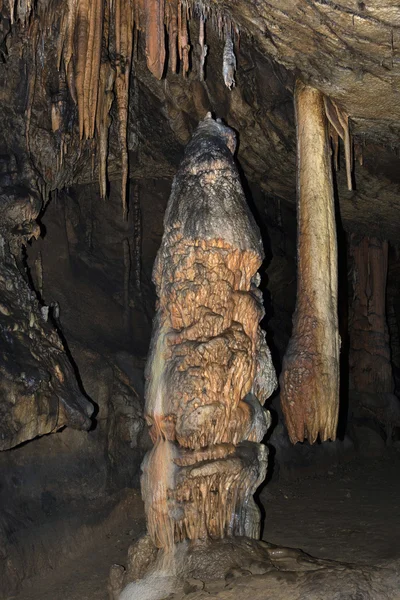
99, 99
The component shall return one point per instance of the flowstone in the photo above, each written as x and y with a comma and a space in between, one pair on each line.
241, 568
209, 370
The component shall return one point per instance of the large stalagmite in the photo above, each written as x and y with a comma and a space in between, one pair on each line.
209, 369
310, 376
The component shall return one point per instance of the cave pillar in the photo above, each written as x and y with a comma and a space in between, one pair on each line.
310, 375
370, 364
209, 369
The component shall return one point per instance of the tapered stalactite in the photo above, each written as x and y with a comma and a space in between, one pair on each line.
339, 127
209, 370
310, 376
183, 37
94, 58
103, 120
171, 8
124, 47
370, 365
155, 44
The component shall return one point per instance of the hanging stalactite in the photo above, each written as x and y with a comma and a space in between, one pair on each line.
203, 46
229, 62
310, 374
171, 8
155, 43
183, 43
124, 46
339, 127
103, 121
94, 57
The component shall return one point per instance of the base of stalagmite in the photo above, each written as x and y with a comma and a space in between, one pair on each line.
242, 568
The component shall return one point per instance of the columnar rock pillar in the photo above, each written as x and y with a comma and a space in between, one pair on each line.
209, 370
310, 376
370, 366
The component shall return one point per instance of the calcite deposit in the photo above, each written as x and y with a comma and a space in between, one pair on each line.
209, 370
310, 372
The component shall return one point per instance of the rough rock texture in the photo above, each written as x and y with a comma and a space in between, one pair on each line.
209, 367
39, 390
89, 255
323, 41
53, 487
370, 356
243, 568
370, 366
310, 371
347, 49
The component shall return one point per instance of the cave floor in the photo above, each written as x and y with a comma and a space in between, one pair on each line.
351, 512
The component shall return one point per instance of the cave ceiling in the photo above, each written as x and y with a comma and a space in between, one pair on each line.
349, 50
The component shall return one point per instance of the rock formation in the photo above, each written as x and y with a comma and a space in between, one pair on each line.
310, 372
38, 390
209, 370
370, 367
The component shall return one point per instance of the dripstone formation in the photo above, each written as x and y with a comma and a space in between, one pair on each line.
209, 370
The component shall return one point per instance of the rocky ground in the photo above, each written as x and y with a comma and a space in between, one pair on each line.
349, 513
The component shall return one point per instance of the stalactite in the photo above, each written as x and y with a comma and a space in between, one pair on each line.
88, 67
155, 42
340, 124
103, 121
87, 48
229, 59
333, 134
184, 46
203, 47
81, 57
20, 10
34, 37
11, 8
310, 372
95, 72
172, 24
124, 44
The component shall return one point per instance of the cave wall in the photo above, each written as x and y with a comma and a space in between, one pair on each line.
53, 488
